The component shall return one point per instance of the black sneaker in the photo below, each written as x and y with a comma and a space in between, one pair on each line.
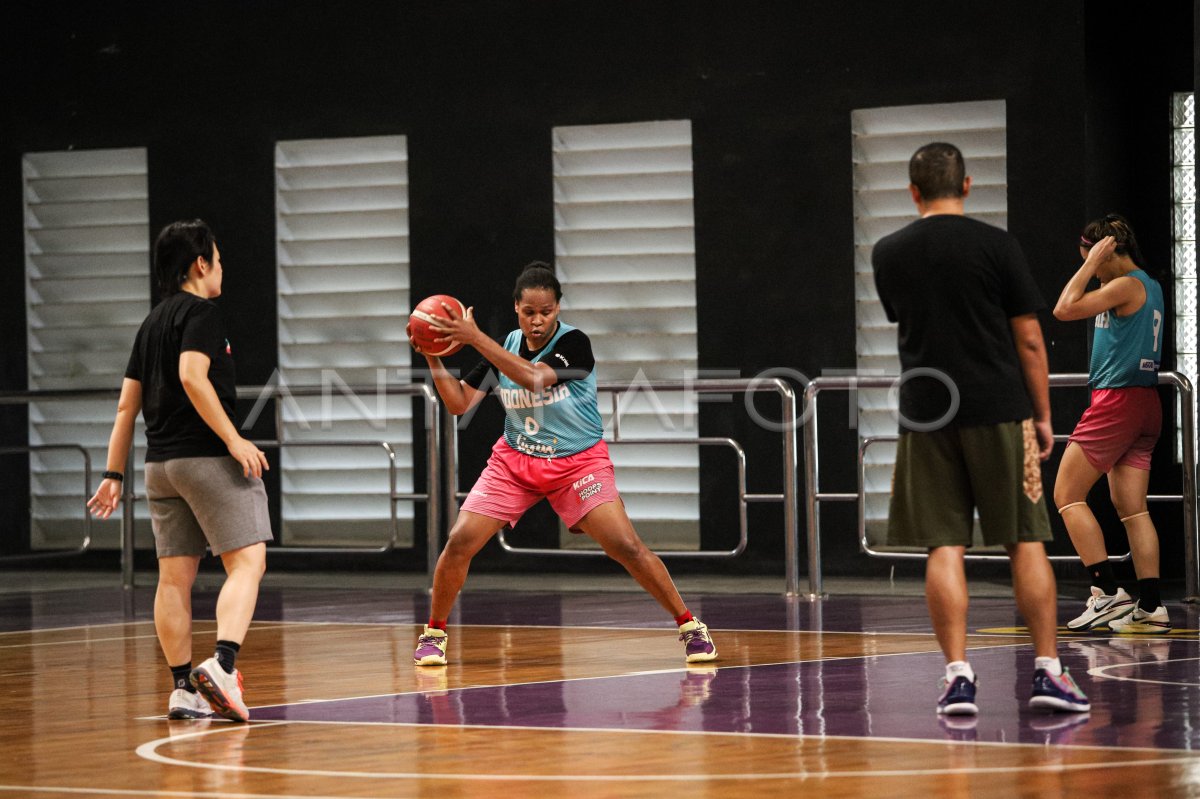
958, 698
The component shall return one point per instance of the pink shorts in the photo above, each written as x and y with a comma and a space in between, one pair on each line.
1120, 427
513, 482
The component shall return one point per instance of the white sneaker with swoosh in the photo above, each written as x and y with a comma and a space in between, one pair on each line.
1101, 609
1143, 622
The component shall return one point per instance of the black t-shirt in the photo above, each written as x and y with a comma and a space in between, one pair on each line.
571, 358
953, 283
181, 323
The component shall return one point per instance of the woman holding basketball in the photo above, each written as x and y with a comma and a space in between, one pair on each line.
552, 447
1118, 431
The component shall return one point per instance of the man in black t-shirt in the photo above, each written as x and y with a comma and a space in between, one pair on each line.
975, 418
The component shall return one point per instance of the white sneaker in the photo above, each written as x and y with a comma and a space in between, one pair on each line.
1143, 622
222, 689
185, 704
1102, 609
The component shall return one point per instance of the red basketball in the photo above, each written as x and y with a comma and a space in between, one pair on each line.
423, 334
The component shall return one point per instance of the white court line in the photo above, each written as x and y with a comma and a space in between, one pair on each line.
268, 625
1182, 754
136, 792
657, 628
148, 751
76, 627
78, 641
1102, 671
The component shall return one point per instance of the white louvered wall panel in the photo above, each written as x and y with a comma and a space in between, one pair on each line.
1183, 117
342, 247
87, 287
625, 254
884, 141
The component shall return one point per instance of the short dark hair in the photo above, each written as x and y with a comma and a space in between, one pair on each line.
177, 246
937, 170
1119, 228
537, 275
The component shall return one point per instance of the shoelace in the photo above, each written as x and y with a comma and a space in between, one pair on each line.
430, 640
691, 635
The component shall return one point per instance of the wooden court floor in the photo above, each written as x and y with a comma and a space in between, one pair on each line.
583, 695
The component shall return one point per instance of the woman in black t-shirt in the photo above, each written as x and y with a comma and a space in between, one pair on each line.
203, 479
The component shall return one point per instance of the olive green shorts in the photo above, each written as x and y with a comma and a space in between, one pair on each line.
941, 477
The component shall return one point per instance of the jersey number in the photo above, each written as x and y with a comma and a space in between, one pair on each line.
532, 427
1157, 328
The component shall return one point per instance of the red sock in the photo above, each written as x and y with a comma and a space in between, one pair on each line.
683, 618
438, 624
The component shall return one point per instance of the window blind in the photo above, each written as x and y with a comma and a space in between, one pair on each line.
87, 281
625, 254
343, 283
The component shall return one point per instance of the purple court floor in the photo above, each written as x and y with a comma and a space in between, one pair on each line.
1145, 692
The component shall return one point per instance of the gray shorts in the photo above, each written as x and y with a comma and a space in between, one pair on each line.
199, 502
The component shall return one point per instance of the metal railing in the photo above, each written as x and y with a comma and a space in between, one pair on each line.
701, 386
433, 443
433, 446
87, 517
814, 496
12, 398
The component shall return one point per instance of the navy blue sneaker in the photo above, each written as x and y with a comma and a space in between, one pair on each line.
959, 697
1057, 693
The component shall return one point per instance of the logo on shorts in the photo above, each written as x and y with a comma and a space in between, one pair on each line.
590, 491
583, 481
1148, 365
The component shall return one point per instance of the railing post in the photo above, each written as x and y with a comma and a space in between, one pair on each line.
815, 582
433, 507
791, 526
1191, 535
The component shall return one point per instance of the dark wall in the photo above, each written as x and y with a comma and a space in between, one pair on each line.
769, 86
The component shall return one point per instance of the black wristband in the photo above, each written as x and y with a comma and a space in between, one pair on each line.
113, 476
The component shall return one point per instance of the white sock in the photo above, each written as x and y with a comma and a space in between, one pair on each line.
959, 668
1052, 665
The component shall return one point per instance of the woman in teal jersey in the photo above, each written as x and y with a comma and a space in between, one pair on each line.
552, 447
1117, 433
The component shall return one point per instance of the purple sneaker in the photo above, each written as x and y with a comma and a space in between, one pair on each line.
697, 643
1057, 693
431, 648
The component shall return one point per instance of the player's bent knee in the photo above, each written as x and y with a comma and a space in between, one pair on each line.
1064, 497
627, 552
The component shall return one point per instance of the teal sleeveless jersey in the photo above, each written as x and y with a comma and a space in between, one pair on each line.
1127, 350
562, 420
